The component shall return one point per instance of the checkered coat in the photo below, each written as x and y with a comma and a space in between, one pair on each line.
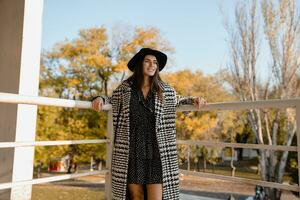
165, 113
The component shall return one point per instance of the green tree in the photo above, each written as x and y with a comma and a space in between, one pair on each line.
281, 30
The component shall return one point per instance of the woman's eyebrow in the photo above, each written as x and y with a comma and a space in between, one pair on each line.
150, 59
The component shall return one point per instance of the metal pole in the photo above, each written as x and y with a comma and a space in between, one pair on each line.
109, 147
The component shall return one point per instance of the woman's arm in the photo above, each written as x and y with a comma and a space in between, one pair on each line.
189, 100
183, 100
106, 99
115, 101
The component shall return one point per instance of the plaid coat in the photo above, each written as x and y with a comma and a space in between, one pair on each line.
165, 113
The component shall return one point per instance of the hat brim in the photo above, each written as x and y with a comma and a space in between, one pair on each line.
160, 56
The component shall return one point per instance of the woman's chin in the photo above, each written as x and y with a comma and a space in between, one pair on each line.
150, 74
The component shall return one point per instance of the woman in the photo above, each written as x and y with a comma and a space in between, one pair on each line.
144, 160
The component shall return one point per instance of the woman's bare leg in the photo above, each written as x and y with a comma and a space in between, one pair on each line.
154, 191
136, 191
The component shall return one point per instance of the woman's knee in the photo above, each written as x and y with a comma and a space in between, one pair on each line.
154, 191
136, 191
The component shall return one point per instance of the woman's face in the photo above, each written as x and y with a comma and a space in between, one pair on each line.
149, 65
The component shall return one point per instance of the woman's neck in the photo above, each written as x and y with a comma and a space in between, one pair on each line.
146, 82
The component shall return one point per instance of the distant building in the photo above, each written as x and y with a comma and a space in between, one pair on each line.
249, 153
59, 164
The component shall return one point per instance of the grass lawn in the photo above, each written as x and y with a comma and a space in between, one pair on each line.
242, 170
91, 187
56, 192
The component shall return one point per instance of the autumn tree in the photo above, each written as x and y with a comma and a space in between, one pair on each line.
281, 28
79, 69
202, 125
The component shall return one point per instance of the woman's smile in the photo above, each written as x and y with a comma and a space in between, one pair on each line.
149, 65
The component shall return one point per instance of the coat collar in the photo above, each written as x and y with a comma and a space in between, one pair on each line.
126, 86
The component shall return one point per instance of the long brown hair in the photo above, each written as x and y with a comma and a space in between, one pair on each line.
138, 78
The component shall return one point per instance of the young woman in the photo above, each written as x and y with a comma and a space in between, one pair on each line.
144, 160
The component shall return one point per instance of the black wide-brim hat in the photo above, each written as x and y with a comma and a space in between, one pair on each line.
160, 57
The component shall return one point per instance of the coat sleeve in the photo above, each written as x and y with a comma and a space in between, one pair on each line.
106, 99
183, 100
114, 100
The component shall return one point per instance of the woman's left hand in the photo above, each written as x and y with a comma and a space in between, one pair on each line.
199, 102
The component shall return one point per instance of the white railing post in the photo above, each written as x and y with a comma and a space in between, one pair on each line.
109, 147
298, 140
20, 44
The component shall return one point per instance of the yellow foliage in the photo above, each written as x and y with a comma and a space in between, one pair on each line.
120, 66
201, 125
73, 82
198, 127
190, 83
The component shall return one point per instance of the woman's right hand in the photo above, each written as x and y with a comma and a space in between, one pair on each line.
97, 104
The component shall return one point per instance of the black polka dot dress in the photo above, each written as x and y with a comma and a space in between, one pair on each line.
144, 158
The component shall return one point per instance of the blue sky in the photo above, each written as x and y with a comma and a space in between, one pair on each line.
194, 27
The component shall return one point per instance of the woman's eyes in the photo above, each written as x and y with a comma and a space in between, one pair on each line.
149, 61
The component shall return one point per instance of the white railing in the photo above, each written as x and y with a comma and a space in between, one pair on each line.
45, 101
19, 99
295, 103
50, 143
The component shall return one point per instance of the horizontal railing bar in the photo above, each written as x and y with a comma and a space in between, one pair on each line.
238, 145
47, 101
242, 180
182, 142
243, 105
50, 179
51, 143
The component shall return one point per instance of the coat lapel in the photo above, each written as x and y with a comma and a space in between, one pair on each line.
159, 104
158, 110
126, 104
